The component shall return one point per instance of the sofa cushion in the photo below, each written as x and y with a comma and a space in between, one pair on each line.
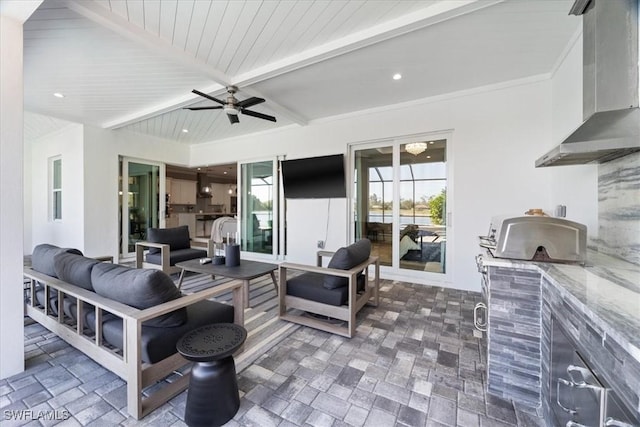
139, 288
345, 259
53, 299
176, 256
42, 258
74, 269
159, 343
175, 237
310, 286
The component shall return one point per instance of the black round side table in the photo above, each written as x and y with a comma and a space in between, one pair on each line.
213, 397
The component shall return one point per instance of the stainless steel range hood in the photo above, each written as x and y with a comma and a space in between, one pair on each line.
610, 86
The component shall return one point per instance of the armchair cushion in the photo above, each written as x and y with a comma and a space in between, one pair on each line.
176, 238
139, 288
311, 286
176, 256
345, 259
74, 269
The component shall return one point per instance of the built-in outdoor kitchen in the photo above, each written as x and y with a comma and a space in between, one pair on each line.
196, 197
561, 303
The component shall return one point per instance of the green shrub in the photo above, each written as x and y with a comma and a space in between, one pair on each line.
436, 207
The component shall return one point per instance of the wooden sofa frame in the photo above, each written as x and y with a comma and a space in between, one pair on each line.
127, 362
346, 312
165, 250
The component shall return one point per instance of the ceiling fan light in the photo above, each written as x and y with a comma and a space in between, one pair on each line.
230, 110
415, 148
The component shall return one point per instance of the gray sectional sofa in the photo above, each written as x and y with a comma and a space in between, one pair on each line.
126, 319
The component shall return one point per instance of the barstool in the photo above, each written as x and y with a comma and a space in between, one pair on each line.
213, 397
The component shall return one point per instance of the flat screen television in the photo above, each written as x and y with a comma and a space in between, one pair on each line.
314, 177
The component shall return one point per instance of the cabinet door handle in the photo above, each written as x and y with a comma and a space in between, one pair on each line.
611, 422
476, 322
585, 374
574, 424
564, 408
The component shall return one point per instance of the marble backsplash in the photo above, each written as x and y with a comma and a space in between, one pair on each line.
619, 208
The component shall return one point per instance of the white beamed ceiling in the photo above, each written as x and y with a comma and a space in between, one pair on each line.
132, 64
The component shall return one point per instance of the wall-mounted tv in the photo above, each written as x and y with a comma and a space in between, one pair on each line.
314, 177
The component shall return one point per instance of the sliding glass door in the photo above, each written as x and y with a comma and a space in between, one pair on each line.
374, 195
258, 182
141, 185
400, 193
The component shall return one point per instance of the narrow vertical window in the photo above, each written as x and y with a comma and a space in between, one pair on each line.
56, 189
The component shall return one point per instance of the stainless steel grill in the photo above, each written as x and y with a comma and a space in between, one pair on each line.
536, 238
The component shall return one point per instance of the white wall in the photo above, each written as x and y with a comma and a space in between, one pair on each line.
497, 135
308, 222
102, 149
575, 186
69, 232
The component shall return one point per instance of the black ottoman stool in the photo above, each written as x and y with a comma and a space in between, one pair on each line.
213, 397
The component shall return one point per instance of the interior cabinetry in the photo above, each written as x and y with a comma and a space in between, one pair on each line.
182, 192
189, 220
171, 221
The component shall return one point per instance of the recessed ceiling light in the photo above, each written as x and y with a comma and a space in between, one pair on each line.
199, 169
225, 172
432, 142
185, 130
428, 157
397, 76
58, 95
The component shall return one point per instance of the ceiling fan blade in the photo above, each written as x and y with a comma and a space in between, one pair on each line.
233, 118
197, 92
203, 108
249, 102
258, 115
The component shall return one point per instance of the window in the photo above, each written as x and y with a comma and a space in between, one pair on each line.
55, 167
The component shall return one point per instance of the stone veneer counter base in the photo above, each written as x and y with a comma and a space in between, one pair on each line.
598, 305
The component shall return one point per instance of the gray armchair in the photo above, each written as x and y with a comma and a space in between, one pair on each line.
337, 291
166, 247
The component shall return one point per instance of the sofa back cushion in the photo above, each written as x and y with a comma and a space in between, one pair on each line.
176, 238
139, 288
74, 269
42, 258
345, 259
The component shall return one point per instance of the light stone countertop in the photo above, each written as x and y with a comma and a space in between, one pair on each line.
607, 289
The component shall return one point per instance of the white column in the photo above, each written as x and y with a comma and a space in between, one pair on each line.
12, 16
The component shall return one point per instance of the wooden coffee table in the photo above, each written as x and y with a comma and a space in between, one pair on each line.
246, 271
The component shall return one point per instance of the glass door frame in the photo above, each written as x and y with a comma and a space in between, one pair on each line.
124, 214
276, 238
394, 271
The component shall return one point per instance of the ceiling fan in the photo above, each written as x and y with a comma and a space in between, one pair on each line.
232, 106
